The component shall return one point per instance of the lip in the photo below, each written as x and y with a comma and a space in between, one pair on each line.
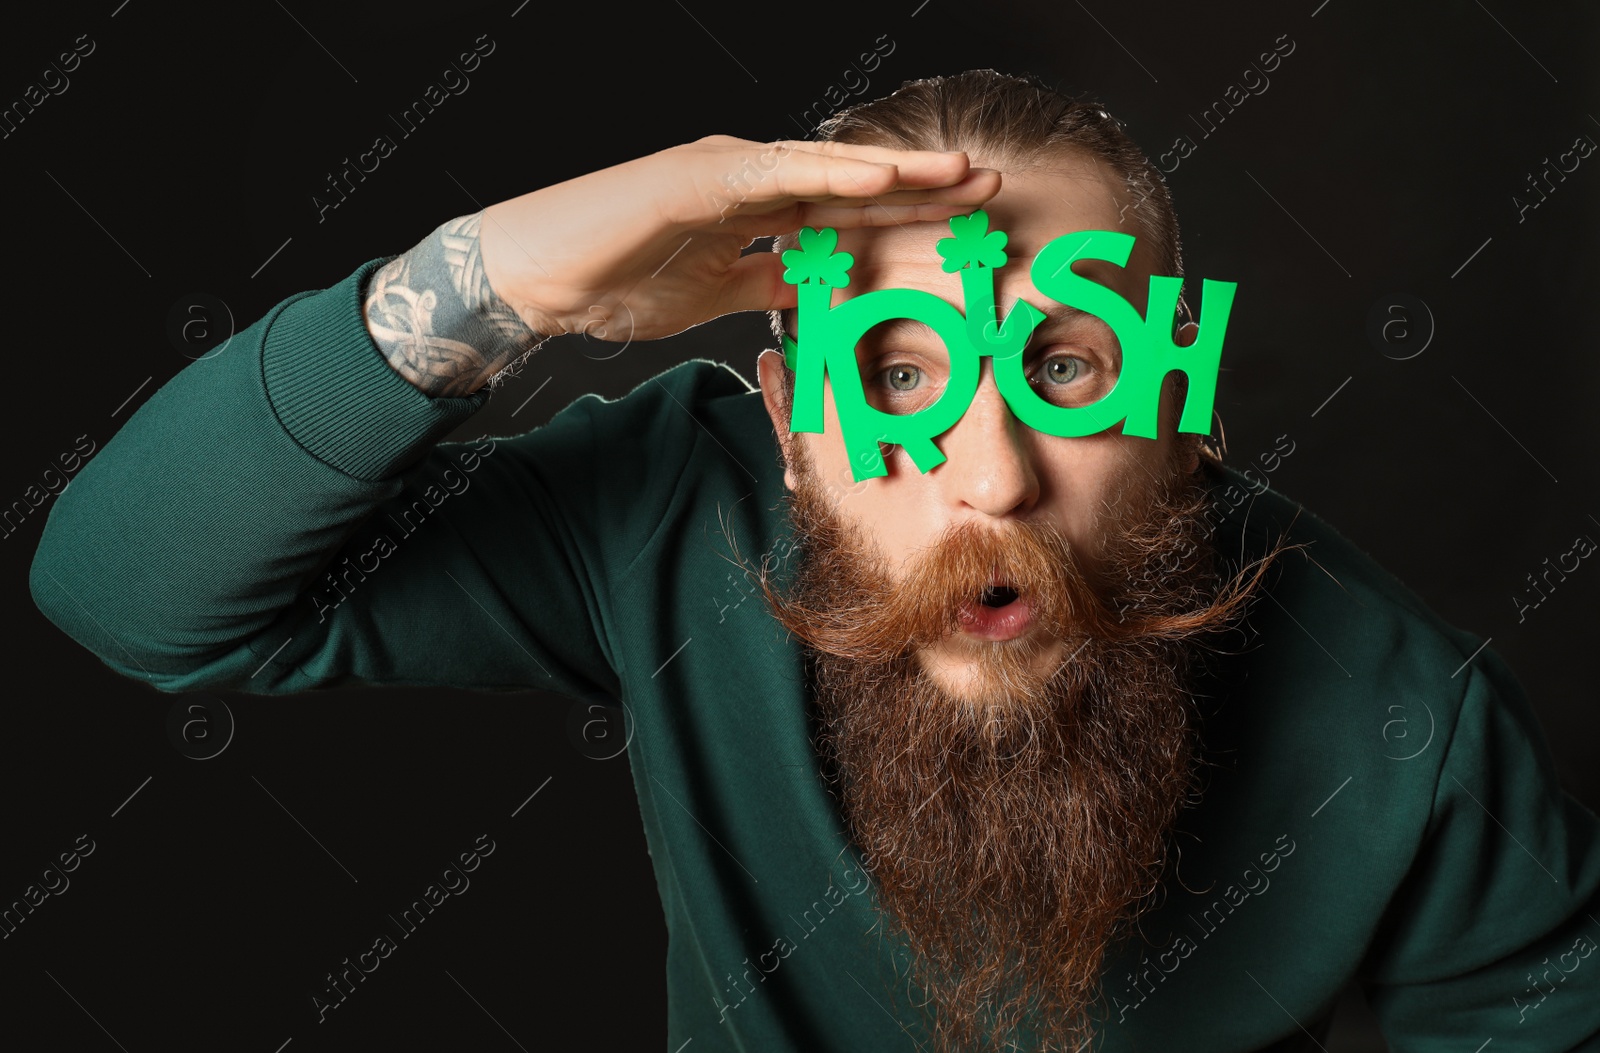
997, 623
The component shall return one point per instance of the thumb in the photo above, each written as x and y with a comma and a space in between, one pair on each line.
755, 283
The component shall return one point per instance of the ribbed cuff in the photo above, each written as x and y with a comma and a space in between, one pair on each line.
336, 395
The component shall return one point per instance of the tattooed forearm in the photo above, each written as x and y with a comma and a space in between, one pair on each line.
435, 318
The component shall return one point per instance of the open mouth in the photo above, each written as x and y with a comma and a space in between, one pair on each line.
1000, 612
996, 596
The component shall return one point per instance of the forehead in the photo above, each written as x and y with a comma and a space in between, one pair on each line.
1068, 192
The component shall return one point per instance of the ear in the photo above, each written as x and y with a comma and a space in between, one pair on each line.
1191, 463
769, 368
1185, 336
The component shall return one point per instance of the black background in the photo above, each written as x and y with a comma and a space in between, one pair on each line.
185, 155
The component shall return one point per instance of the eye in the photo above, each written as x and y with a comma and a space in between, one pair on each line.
903, 377
1070, 380
901, 382
1062, 369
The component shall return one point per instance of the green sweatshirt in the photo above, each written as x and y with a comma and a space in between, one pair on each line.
1380, 802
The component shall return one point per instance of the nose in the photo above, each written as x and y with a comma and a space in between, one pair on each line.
988, 464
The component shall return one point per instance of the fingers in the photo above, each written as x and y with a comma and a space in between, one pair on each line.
979, 185
842, 218
816, 171
805, 176
917, 168
876, 210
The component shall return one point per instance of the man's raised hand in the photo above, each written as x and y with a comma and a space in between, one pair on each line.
662, 234
640, 250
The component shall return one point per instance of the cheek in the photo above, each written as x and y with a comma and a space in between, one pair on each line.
831, 472
892, 510
1079, 476
828, 451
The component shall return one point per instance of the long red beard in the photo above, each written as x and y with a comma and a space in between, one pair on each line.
1012, 833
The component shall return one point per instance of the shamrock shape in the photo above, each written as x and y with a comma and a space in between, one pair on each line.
815, 260
973, 243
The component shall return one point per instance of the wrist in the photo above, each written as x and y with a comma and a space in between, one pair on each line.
436, 319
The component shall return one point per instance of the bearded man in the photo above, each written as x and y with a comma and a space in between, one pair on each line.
1002, 752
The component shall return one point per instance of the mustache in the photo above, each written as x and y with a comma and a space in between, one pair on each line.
1153, 582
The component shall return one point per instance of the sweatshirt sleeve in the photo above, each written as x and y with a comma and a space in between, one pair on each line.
1494, 932
283, 516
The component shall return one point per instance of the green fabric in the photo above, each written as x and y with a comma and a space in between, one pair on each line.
587, 557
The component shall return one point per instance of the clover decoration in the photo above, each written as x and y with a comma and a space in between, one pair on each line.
973, 243
976, 252
815, 262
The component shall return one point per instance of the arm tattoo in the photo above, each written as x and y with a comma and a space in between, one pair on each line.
436, 319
